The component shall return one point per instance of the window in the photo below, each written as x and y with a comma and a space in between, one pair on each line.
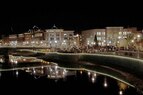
103, 33
57, 34
98, 33
70, 34
52, 35
124, 33
103, 38
120, 33
58, 38
51, 39
65, 38
99, 38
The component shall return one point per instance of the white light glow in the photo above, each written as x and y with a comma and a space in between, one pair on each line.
89, 73
17, 73
120, 92
93, 79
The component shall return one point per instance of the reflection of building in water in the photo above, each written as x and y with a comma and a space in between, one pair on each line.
52, 72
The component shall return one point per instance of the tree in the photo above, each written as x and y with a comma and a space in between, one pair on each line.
95, 40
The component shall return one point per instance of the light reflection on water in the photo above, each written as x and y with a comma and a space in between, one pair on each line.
54, 72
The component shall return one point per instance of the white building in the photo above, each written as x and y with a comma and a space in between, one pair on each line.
59, 38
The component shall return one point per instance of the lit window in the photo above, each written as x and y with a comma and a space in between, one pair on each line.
98, 33
124, 33
103, 33
98, 38
120, 33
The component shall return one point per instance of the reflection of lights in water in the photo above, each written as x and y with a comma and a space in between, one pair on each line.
105, 82
42, 67
36, 77
80, 72
89, 73
93, 79
17, 73
120, 92
94, 74
34, 71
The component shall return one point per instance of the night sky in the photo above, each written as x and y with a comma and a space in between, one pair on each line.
75, 17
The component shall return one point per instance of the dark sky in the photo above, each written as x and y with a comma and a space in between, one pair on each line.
23, 17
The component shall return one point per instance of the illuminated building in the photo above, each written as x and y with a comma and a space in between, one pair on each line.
59, 38
88, 37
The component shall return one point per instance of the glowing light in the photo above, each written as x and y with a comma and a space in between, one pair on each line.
56, 41
56, 72
94, 75
77, 35
34, 71
132, 41
93, 79
105, 83
80, 72
16, 62
120, 92
138, 36
48, 76
56, 67
119, 37
17, 73
89, 73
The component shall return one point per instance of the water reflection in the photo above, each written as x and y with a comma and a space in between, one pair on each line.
69, 76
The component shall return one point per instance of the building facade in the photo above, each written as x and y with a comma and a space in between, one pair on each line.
59, 38
89, 36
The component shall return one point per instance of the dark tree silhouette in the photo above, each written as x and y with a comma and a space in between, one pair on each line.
95, 40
